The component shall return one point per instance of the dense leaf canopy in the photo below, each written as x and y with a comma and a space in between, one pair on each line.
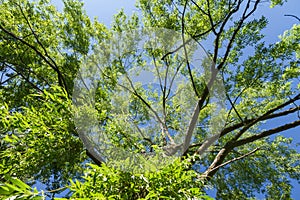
42, 51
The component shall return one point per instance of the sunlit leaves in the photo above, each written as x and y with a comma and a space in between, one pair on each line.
39, 140
14, 188
277, 2
41, 47
111, 183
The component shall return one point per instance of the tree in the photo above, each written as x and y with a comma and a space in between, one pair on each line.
42, 50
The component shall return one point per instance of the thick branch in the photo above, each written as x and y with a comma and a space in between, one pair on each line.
243, 130
96, 160
266, 133
230, 145
235, 142
241, 124
247, 121
214, 71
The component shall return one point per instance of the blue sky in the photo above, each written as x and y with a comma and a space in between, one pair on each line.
278, 23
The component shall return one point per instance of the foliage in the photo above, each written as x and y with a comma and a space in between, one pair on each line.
107, 182
42, 50
39, 139
14, 188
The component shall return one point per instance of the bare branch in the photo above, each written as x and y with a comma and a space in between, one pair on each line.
217, 40
134, 92
173, 78
239, 125
163, 125
158, 73
187, 41
238, 96
8, 79
234, 108
293, 16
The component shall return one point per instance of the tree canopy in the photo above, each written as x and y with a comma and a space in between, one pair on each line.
74, 111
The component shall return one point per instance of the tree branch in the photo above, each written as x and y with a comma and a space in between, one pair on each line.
26, 79
247, 121
293, 16
37, 52
243, 130
185, 51
266, 133
208, 171
234, 143
241, 21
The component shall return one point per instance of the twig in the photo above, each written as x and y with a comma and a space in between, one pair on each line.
293, 16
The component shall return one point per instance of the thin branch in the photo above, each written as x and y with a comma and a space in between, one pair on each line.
35, 50
229, 161
163, 125
173, 78
142, 134
234, 108
210, 17
199, 8
8, 79
26, 79
185, 51
207, 14
241, 21
158, 73
55, 190
187, 41
23, 67
134, 92
238, 96
217, 40
293, 16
